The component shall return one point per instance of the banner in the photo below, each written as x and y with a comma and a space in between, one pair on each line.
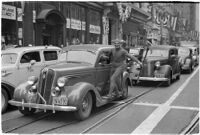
8, 12
95, 29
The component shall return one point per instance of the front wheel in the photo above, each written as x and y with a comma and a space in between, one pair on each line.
85, 108
169, 81
26, 111
4, 100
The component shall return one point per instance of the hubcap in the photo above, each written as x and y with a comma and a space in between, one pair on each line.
85, 104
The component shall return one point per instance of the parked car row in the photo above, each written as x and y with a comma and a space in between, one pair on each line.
76, 78
20, 63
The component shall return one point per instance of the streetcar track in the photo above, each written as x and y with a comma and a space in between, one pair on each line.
40, 118
124, 103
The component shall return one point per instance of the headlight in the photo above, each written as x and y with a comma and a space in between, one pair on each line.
55, 91
157, 64
32, 80
62, 81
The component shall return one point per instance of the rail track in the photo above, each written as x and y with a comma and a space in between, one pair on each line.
119, 106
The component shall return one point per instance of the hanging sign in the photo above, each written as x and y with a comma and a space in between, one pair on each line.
8, 12
83, 25
95, 29
19, 14
68, 23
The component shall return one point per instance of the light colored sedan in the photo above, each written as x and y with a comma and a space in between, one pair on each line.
20, 63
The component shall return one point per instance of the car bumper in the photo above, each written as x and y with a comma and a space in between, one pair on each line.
158, 77
43, 106
150, 79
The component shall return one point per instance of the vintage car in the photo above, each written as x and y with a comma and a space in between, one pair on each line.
20, 63
78, 84
160, 63
186, 60
195, 54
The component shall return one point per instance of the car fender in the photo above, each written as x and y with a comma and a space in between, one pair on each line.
77, 92
21, 92
126, 76
165, 69
9, 88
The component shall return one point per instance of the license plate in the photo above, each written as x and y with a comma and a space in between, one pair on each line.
60, 100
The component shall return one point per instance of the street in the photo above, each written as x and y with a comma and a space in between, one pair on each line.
154, 109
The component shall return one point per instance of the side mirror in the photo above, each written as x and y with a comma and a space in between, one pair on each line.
173, 56
32, 62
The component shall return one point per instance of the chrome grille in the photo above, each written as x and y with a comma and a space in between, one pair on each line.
45, 84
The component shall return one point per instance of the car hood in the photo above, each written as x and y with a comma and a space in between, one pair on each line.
151, 59
69, 65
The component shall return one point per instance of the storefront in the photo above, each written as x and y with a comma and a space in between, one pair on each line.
83, 24
9, 25
134, 32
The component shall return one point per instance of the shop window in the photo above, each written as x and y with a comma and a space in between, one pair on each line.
76, 24
94, 28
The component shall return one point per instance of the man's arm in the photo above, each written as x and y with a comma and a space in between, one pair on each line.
133, 58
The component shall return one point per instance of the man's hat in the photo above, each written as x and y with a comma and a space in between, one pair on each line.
118, 41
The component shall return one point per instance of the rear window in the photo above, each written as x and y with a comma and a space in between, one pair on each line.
50, 55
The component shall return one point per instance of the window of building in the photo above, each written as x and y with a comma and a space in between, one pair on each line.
94, 27
76, 24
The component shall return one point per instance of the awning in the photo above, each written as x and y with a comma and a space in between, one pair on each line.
42, 16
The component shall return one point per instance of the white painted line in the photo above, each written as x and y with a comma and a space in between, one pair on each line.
147, 104
185, 108
157, 115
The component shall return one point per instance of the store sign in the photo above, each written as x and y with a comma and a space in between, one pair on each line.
19, 14
34, 16
75, 24
68, 23
95, 29
8, 12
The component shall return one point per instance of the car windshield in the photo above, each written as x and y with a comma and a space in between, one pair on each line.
81, 56
183, 52
8, 58
156, 53
135, 51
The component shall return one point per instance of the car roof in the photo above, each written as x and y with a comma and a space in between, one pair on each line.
29, 48
167, 47
92, 47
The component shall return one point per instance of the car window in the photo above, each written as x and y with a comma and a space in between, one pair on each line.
27, 57
9, 58
105, 57
50, 55
156, 53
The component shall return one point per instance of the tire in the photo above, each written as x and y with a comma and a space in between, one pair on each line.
85, 108
190, 70
26, 111
125, 90
4, 100
168, 83
134, 82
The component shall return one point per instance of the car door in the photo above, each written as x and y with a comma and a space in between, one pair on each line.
103, 67
50, 57
26, 69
